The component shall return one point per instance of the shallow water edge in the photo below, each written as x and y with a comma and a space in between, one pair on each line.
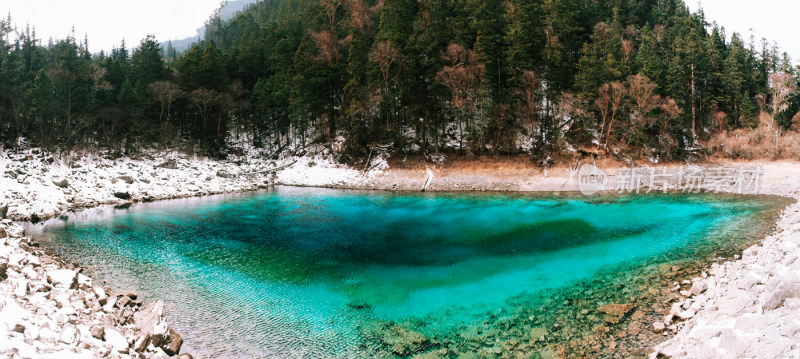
564, 321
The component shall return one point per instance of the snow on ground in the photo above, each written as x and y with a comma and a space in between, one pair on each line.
35, 185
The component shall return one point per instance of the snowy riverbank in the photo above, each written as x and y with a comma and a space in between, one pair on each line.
35, 186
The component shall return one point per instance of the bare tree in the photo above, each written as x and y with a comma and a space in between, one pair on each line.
643, 93
361, 14
462, 77
166, 93
669, 111
658, 31
796, 122
203, 99
627, 49
783, 86
603, 104
328, 45
385, 55
529, 108
762, 101
331, 7
615, 93
719, 119
99, 80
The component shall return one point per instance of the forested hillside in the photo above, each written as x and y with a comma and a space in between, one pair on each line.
639, 79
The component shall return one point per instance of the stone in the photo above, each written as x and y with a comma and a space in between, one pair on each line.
62, 183
126, 179
170, 165
698, 287
687, 314
174, 342
97, 331
3, 269
403, 341
777, 297
117, 340
538, 334
658, 327
140, 344
123, 301
122, 195
63, 278
69, 335
615, 312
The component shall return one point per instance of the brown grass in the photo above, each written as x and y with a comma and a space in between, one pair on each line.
757, 144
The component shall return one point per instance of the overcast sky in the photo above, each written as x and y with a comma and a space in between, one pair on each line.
771, 19
108, 21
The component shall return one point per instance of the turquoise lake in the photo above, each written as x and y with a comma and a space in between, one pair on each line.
301, 272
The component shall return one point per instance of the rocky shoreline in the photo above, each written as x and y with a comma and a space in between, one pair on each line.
747, 307
50, 309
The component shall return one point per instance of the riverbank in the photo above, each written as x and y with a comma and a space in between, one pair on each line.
762, 284
50, 309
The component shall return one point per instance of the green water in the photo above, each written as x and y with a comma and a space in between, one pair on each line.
297, 272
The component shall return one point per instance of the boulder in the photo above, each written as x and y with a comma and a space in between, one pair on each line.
117, 340
62, 183
174, 342
126, 179
151, 320
777, 297
64, 278
658, 327
123, 301
698, 287
170, 165
69, 335
122, 195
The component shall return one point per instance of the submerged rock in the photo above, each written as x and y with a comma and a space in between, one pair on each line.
403, 341
615, 312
